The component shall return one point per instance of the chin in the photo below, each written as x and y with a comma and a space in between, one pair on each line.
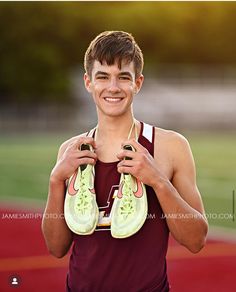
113, 113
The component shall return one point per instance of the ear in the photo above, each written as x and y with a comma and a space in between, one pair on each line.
87, 82
138, 83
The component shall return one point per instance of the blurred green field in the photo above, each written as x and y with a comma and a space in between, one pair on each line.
26, 162
215, 158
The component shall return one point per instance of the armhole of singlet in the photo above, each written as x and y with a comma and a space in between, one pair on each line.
141, 131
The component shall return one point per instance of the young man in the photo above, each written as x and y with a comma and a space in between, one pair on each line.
112, 252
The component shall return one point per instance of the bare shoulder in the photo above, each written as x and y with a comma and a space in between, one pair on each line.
170, 138
173, 145
176, 149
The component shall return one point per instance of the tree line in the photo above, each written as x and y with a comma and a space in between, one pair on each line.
41, 44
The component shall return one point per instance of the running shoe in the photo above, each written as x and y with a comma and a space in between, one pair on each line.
80, 207
129, 210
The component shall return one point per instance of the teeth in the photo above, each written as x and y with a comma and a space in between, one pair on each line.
112, 99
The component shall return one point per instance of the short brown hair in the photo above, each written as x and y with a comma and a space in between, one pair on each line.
111, 47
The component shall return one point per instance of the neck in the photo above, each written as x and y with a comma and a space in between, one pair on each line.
111, 132
115, 128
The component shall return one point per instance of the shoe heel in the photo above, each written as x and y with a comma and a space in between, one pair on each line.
130, 148
82, 148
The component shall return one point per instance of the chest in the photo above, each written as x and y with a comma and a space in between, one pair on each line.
107, 152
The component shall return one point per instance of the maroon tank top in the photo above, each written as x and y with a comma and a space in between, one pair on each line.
101, 263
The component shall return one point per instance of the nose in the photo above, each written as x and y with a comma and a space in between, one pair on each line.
114, 86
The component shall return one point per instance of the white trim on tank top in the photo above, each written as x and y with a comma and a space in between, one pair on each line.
147, 132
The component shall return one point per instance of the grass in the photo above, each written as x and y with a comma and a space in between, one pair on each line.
26, 163
215, 159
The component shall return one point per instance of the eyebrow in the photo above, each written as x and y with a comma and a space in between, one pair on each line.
125, 73
101, 73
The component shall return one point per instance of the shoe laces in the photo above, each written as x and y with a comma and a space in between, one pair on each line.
127, 206
84, 199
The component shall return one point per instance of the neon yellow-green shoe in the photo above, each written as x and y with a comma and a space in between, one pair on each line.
80, 206
129, 210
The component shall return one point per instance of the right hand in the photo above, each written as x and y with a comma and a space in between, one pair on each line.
72, 158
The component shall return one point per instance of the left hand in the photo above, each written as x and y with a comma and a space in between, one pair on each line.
142, 165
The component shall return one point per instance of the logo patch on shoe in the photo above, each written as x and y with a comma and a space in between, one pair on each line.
71, 188
91, 188
139, 192
120, 194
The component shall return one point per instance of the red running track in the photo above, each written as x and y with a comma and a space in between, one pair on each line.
23, 253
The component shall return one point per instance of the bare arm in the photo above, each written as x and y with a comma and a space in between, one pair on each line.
58, 236
180, 199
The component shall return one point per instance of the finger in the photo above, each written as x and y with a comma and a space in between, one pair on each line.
86, 160
83, 140
125, 169
127, 163
137, 146
86, 153
125, 153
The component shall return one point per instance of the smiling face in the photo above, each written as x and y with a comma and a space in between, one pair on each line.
113, 88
